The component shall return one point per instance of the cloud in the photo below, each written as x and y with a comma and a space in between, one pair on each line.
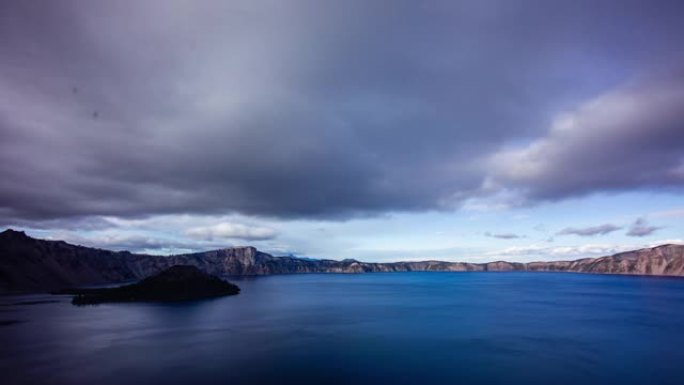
112, 240
590, 231
542, 252
164, 234
231, 231
672, 213
304, 110
640, 228
628, 139
503, 235
667, 242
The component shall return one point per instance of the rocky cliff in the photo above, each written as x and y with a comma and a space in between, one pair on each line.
29, 264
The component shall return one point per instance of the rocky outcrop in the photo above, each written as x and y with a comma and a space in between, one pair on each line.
177, 283
28, 264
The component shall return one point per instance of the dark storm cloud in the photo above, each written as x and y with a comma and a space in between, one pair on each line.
312, 109
590, 231
641, 228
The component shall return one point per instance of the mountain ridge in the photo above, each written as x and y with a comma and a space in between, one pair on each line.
31, 264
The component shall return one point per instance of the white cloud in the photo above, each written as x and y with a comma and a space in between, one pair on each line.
673, 213
667, 242
114, 240
544, 252
227, 230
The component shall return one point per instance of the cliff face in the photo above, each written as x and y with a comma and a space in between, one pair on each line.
31, 264
28, 264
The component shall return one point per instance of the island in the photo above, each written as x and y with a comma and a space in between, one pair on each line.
177, 283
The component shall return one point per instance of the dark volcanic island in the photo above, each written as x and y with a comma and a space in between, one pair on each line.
177, 283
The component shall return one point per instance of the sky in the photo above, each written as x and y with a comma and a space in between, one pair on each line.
376, 130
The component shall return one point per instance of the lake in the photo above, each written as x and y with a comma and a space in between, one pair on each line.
391, 328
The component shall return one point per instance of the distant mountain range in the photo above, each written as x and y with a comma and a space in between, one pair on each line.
29, 264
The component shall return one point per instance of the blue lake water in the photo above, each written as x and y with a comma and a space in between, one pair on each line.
394, 328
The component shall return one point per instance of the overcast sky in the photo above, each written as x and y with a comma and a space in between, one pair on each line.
376, 130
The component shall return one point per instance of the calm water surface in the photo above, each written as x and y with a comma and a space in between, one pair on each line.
395, 328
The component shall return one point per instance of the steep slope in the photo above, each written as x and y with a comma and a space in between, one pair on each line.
29, 264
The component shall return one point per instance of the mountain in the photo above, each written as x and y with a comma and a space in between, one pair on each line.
29, 264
